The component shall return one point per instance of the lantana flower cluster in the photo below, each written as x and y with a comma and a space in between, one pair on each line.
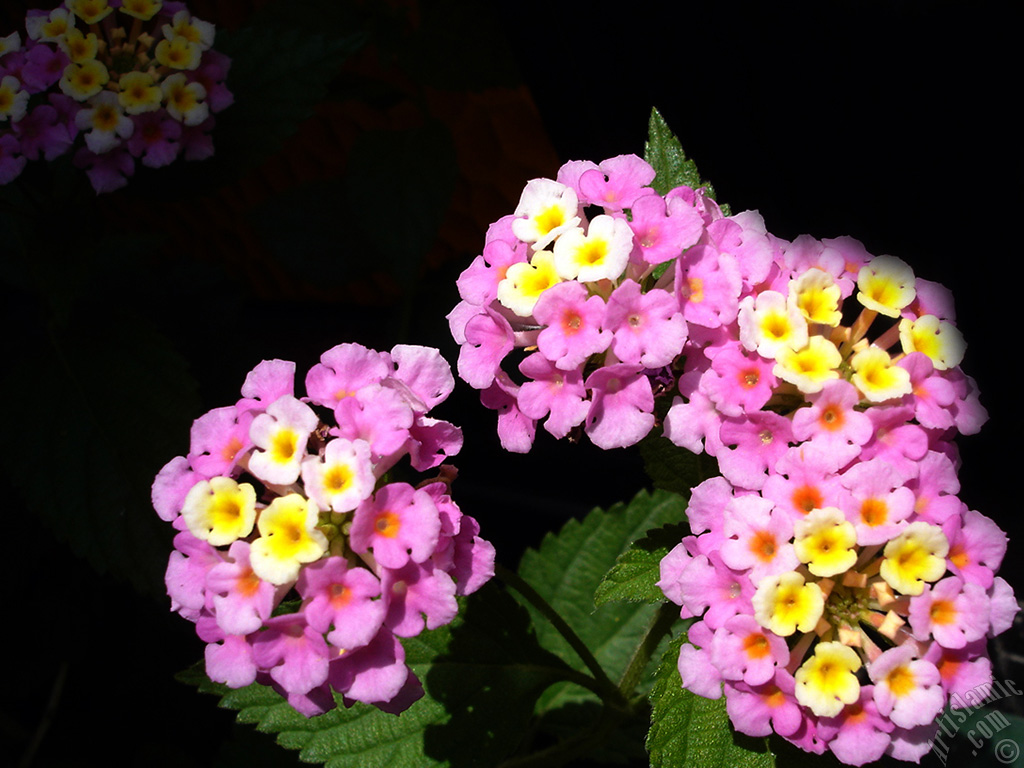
303, 553
616, 295
575, 277
842, 594
842, 611
116, 82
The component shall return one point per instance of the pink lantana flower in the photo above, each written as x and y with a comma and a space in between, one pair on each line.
952, 611
470, 559
241, 600
742, 649
932, 395
707, 500
107, 172
738, 382
622, 405
803, 481
878, 502
42, 133
896, 439
832, 423
172, 484
648, 328
662, 231
417, 596
431, 441
758, 538
695, 669
516, 430
752, 446
265, 383
744, 237
976, 549
616, 183
186, 573
935, 488
488, 338
217, 439
907, 688
708, 285
694, 423
43, 67
398, 524
707, 584
12, 161
341, 602
757, 710
557, 394
425, 375
295, 654
965, 673
374, 674
343, 371
478, 283
229, 660
860, 733
382, 421
575, 325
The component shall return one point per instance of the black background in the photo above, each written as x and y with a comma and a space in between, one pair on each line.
887, 121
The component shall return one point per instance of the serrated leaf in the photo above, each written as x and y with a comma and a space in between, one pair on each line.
567, 569
671, 165
634, 577
689, 731
481, 675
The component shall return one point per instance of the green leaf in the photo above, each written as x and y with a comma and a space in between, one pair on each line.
665, 154
690, 731
635, 575
567, 569
481, 675
672, 468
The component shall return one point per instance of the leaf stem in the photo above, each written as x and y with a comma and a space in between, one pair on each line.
605, 688
663, 620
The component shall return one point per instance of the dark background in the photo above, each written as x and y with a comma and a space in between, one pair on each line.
887, 121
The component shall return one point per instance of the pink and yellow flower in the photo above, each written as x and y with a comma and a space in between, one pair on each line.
300, 561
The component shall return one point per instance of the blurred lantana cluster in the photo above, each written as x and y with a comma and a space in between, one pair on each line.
300, 555
115, 83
